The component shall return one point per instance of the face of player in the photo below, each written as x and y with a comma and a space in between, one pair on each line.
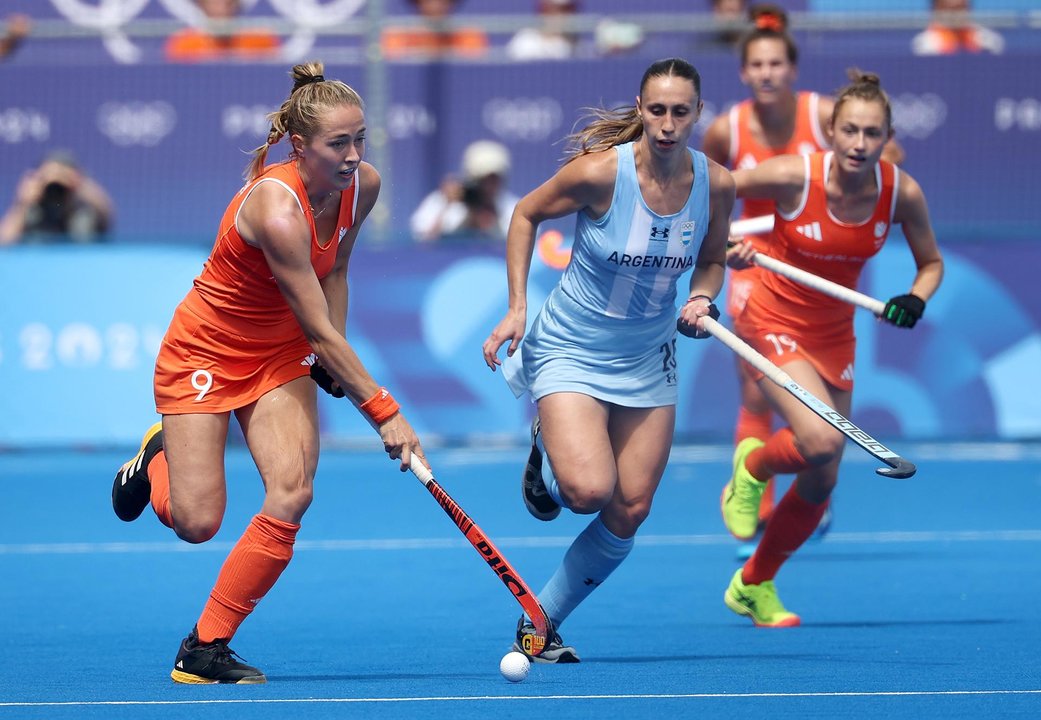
331, 157
767, 71
669, 107
860, 132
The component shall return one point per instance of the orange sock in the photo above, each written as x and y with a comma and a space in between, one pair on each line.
159, 479
766, 504
793, 521
252, 567
778, 455
751, 424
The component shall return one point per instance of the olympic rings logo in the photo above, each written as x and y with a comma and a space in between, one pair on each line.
111, 16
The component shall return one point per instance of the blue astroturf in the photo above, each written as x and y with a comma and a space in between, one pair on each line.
918, 604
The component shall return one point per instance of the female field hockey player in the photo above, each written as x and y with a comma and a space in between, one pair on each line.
833, 211
600, 359
271, 297
775, 120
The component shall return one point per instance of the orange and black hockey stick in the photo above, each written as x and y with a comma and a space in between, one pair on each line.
532, 643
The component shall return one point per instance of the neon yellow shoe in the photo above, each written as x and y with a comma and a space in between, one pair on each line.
759, 602
741, 496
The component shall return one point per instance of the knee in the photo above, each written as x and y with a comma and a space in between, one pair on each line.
628, 521
289, 501
586, 500
821, 447
197, 529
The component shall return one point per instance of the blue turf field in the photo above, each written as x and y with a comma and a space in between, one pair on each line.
920, 604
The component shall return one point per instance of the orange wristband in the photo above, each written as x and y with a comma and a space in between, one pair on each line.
381, 406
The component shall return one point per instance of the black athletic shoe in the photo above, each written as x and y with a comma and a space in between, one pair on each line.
131, 490
533, 487
555, 650
208, 663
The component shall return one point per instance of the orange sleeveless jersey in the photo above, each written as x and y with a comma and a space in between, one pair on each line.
785, 320
234, 337
746, 152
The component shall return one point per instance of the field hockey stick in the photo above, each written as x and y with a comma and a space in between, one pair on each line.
898, 466
533, 644
758, 225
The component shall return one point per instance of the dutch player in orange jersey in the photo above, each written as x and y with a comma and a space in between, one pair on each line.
833, 211
270, 299
775, 120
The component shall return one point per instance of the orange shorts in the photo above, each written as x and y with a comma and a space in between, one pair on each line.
832, 358
203, 367
739, 286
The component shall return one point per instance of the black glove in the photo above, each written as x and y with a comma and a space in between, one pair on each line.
324, 380
904, 310
691, 330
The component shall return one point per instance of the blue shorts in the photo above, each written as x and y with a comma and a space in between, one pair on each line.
627, 362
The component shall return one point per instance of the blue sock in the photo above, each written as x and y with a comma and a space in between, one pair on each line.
592, 557
550, 480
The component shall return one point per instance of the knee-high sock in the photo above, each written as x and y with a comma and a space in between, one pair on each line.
752, 424
792, 523
252, 567
592, 557
159, 479
778, 455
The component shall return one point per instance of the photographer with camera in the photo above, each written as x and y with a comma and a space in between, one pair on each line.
57, 202
477, 207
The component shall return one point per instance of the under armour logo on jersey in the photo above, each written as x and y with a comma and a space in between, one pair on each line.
847, 374
658, 233
811, 230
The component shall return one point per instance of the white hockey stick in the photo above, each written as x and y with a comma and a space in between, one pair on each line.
758, 225
898, 466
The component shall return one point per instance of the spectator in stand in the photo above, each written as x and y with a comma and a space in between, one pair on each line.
552, 39
952, 30
16, 30
218, 36
731, 23
57, 202
435, 35
478, 206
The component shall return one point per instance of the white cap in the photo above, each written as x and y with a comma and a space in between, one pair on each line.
485, 157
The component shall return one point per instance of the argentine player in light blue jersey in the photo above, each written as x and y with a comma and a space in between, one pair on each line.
600, 357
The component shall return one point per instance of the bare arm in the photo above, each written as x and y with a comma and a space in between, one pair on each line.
912, 214
582, 185
780, 179
335, 285
707, 277
272, 220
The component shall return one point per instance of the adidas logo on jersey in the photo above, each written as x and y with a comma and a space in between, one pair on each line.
811, 230
880, 229
847, 374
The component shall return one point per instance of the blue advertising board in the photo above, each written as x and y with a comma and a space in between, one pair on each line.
80, 328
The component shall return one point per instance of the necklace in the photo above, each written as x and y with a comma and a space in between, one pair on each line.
321, 202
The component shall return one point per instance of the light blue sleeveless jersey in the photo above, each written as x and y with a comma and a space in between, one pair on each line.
626, 263
608, 329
